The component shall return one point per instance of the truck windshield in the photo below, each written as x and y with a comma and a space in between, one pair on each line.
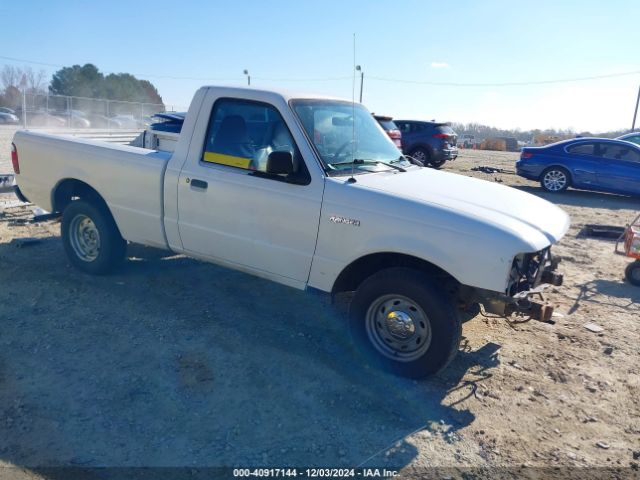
347, 137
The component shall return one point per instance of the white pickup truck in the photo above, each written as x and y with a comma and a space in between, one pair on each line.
310, 192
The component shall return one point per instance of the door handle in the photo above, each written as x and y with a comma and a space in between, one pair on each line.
199, 183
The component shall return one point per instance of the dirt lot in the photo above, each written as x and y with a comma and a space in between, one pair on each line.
173, 362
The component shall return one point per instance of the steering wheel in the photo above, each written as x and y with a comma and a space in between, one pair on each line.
340, 149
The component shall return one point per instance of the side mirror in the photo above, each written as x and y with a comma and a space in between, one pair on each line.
280, 163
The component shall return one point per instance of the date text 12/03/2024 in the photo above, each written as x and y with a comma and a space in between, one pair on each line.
315, 472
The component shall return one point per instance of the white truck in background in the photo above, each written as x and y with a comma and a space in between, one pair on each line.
468, 140
163, 134
309, 192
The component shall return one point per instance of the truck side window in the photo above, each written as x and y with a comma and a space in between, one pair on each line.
243, 133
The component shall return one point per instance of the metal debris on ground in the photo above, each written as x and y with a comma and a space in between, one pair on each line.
17, 213
10, 204
601, 231
592, 327
490, 170
45, 217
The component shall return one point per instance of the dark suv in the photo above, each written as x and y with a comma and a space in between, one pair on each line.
431, 143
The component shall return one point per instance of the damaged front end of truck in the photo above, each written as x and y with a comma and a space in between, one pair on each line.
530, 275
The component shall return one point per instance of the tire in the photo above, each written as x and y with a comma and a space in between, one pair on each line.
419, 337
91, 238
422, 155
437, 164
555, 179
632, 273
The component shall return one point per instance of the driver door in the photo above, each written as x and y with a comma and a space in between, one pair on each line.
231, 212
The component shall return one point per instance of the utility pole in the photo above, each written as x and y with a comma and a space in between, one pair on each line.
635, 113
246, 72
359, 69
23, 84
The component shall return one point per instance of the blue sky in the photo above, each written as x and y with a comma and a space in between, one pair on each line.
308, 46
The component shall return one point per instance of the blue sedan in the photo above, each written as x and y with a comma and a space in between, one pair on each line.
597, 164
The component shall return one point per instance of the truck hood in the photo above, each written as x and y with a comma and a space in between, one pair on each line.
537, 222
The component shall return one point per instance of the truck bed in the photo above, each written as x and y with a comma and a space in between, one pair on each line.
130, 179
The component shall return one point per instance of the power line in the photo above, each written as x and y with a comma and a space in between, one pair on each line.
30, 61
506, 84
324, 79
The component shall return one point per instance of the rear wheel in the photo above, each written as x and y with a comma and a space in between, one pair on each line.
632, 273
555, 179
91, 238
422, 155
402, 321
437, 163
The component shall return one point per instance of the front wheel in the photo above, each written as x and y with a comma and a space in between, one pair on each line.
91, 237
555, 179
402, 321
632, 273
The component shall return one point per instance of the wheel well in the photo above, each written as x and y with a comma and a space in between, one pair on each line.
69, 189
357, 271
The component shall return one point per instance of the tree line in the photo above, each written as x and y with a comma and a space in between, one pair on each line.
77, 81
481, 131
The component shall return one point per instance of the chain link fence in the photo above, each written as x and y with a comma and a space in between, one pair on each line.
58, 111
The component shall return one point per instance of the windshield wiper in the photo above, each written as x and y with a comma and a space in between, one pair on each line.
410, 160
402, 158
359, 161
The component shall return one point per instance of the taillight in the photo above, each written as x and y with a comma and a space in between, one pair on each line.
14, 159
396, 136
524, 155
443, 136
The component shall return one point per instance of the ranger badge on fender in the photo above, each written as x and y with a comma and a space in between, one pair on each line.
345, 221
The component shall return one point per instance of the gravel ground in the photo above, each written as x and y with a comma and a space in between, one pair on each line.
174, 362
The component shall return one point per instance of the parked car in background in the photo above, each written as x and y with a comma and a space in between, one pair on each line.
8, 118
168, 121
100, 121
74, 119
7, 110
468, 140
389, 126
431, 143
633, 137
162, 133
45, 119
597, 164
125, 121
